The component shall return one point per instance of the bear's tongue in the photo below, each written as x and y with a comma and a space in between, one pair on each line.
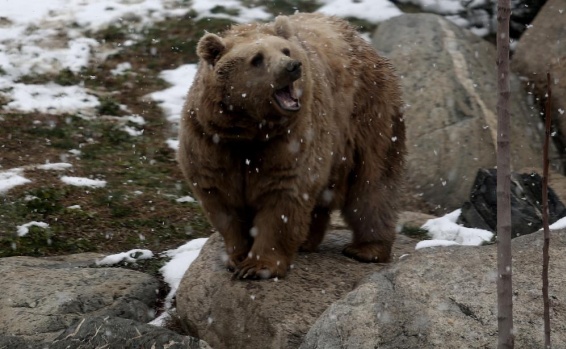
287, 99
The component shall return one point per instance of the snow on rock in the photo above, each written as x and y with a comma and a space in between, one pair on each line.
374, 11
559, 224
24, 228
181, 259
450, 233
161, 320
434, 243
83, 182
131, 257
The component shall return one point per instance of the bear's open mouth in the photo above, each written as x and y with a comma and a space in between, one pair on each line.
287, 98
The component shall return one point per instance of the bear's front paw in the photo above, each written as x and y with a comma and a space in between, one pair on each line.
369, 252
254, 268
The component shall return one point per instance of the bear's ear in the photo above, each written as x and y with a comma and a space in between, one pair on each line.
210, 47
283, 27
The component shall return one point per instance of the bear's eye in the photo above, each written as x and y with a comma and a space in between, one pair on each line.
257, 60
286, 52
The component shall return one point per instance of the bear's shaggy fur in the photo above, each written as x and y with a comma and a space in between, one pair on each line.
284, 123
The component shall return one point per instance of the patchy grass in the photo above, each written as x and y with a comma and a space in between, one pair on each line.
415, 233
137, 207
362, 25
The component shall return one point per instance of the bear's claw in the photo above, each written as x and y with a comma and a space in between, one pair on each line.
259, 269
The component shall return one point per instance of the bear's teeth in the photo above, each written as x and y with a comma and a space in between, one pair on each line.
286, 98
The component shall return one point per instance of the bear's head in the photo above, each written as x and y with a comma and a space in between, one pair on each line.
255, 71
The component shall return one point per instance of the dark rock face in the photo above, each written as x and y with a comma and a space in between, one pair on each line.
526, 203
115, 332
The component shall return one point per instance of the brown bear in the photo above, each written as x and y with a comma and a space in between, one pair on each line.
284, 123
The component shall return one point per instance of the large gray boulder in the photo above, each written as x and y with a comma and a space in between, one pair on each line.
542, 49
447, 298
448, 77
42, 297
230, 313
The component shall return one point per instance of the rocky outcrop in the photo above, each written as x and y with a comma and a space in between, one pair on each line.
42, 297
68, 302
230, 313
447, 298
542, 49
449, 83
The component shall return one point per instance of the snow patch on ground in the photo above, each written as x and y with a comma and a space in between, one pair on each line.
173, 144
437, 6
244, 14
373, 11
47, 36
121, 68
172, 99
186, 199
23, 229
10, 179
57, 166
83, 182
49, 98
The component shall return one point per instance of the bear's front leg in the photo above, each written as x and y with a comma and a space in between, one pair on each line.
279, 229
234, 228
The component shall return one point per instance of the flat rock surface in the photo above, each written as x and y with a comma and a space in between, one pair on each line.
42, 297
229, 313
447, 298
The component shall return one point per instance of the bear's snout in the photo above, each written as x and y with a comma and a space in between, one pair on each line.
294, 69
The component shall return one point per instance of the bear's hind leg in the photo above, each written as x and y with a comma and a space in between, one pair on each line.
371, 213
319, 222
